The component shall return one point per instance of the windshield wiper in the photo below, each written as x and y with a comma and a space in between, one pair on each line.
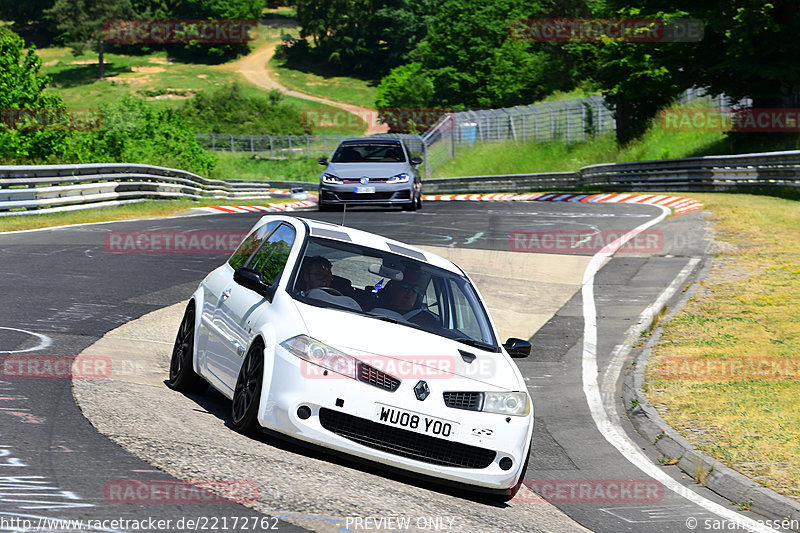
394, 320
476, 343
384, 318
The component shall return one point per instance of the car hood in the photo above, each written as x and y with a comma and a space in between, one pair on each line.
370, 170
409, 353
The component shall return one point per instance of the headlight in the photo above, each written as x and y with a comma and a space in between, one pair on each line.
330, 178
507, 403
321, 354
399, 178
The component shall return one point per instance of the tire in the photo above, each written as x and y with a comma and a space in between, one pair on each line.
413, 205
247, 394
323, 207
182, 376
419, 201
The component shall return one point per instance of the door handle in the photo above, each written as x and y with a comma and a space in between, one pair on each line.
225, 294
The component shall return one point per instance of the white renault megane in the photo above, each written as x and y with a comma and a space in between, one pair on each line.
364, 345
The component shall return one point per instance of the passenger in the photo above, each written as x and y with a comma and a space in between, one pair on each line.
316, 273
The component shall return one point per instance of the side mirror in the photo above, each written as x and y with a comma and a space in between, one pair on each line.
253, 280
416, 160
517, 348
322, 161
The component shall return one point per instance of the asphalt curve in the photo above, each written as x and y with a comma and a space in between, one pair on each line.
63, 287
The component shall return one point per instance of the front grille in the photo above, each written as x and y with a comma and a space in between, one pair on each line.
371, 180
471, 401
383, 195
378, 378
405, 443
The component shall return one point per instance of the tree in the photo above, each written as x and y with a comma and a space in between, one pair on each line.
25, 12
214, 10
474, 62
32, 122
405, 86
370, 36
747, 51
81, 22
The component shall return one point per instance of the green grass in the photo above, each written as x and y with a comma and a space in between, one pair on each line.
245, 166
508, 157
320, 80
159, 79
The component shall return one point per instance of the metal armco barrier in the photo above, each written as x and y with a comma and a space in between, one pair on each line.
48, 188
53, 188
692, 174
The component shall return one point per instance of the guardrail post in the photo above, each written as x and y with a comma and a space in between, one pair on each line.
271, 149
252, 149
232, 148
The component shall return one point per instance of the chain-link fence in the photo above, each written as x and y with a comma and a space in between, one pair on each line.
569, 121
288, 146
572, 120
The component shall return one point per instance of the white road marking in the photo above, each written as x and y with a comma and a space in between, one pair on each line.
44, 341
611, 429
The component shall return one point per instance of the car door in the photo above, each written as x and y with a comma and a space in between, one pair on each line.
212, 339
240, 306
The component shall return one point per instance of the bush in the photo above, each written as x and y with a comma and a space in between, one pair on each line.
230, 110
133, 131
33, 124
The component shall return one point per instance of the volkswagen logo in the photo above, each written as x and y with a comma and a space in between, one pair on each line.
365, 180
421, 390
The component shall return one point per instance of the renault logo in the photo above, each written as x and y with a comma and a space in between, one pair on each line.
365, 180
422, 390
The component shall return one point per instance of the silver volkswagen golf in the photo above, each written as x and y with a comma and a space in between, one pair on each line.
371, 172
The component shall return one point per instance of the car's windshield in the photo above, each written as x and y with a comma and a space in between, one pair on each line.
386, 152
393, 288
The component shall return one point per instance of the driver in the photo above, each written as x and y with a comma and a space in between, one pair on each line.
316, 273
402, 296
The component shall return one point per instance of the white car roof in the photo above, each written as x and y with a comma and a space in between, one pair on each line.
371, 240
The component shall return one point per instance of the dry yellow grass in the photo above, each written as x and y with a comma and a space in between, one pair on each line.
725, 372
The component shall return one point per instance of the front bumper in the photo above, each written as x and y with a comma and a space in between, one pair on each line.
342, 418
385, 194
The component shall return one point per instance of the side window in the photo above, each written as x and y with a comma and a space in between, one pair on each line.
250, 245
431, 300
465, 319
271, 257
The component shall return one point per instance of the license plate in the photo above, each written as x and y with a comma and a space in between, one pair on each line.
361, 190
417, 422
